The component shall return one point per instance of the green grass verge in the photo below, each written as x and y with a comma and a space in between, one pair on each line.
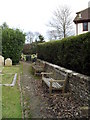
11, 107
1, 68
7, 78
8, 74
11, 70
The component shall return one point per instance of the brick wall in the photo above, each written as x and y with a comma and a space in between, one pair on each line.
79, 84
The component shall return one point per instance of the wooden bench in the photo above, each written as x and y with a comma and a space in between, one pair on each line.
38, 68
54, 84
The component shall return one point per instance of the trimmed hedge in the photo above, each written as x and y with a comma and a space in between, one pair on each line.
72, 53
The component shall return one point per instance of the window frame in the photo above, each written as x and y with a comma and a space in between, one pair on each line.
85, 27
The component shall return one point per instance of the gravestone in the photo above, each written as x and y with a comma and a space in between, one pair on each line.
8, 62
1, 60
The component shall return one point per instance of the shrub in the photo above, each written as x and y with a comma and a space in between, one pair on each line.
12, 44
26, 49
72, 53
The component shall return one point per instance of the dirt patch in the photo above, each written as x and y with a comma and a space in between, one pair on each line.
39, 104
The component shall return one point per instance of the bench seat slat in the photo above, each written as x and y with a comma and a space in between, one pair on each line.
46, 80
54, 84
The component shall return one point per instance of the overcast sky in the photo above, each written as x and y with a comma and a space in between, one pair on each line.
33, 15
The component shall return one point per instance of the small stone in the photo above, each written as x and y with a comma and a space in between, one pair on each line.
76, 113
59, 113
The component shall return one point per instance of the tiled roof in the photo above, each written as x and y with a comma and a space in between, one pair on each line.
85, 16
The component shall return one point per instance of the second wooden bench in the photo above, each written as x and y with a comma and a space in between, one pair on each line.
38, 68
54, 84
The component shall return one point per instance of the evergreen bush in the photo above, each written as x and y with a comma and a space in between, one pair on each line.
12, 44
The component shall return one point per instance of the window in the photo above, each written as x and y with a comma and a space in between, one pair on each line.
85, 26
80, 15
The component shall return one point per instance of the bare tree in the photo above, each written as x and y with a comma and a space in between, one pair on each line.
52, 34
30, 37
36, 35
62, 21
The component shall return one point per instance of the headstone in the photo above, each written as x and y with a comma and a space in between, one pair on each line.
1, 60
8, 62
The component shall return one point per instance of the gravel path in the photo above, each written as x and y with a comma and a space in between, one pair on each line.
33, 103
38, 103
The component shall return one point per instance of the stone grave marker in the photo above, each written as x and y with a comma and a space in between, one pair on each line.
1, 60
8, 62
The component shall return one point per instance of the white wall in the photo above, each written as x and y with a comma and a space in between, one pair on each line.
89, 4
80, 28
89, 26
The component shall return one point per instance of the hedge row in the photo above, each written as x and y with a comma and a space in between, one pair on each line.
72, 53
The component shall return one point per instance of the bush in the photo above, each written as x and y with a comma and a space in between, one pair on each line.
26, 49
12, 44
72, 53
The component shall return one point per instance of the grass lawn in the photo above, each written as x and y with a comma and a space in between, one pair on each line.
11, 107
0, 68
7, 78
8, 74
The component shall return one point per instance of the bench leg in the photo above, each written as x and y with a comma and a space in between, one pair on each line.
42, 82
50, 88
34, 72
